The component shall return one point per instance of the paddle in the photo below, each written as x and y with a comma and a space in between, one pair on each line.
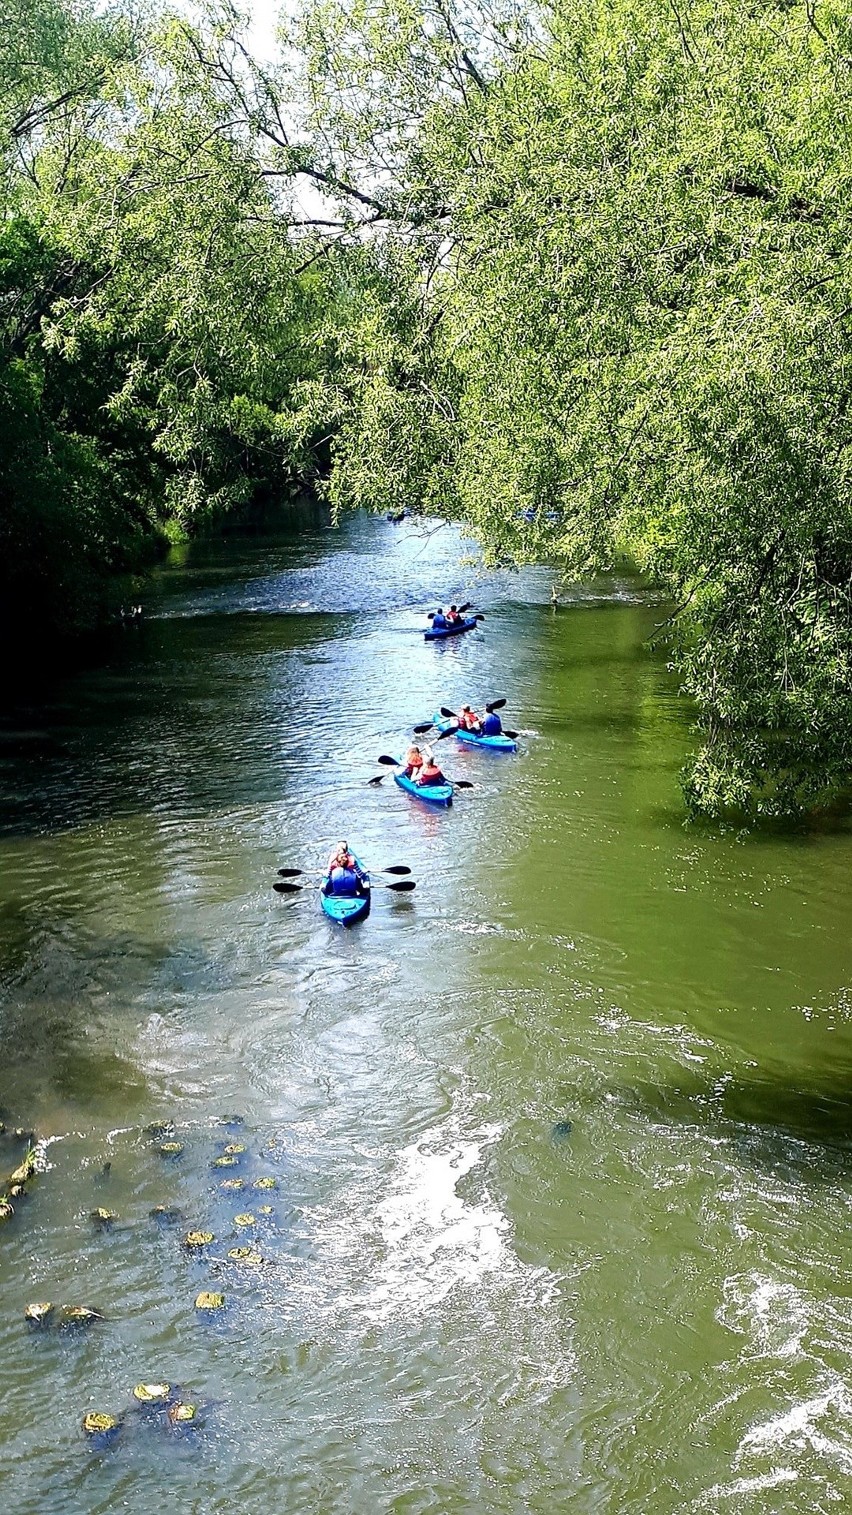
404, 886
451, 714
421, 730
321, 872
390, 762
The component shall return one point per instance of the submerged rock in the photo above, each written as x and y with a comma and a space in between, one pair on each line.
160, 1129
226, 1161
7, 1209
232, 1185
267, 1182
246, 1219
166, 1215
170, 1149
562, 1129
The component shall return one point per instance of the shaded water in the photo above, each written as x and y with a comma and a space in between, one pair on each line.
561, 1142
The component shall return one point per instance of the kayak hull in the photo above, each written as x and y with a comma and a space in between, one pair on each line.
433, 794
451, 631
346, 909
471, 739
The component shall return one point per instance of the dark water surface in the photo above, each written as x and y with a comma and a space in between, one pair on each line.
561, 1143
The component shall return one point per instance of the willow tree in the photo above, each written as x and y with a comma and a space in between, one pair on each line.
611, 290
156, 309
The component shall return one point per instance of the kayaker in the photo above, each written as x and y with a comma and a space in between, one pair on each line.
439, 620
491, 724
469, 720
413, 762
453, 616
344, 874
429, 773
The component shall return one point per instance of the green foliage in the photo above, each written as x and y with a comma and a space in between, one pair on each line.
155, 315
623, 308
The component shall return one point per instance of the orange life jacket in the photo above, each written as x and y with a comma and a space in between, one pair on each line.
430, 773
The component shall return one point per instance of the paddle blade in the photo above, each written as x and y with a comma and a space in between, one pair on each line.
289, 872
442, 734
479, 616
388, 762
281, 888
421, 730
496, 705
512, 735
468, 605
377, 779
462, 784
397, 868
450, 713
405, 887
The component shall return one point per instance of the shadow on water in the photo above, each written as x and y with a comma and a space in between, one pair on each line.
770, 1119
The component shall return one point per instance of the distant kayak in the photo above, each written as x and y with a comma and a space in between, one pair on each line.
433, 794
451, 631
346, 909
473, 739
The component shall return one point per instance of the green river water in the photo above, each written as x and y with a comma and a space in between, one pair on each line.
464, 1306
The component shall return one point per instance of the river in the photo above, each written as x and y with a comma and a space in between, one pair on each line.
559, 1143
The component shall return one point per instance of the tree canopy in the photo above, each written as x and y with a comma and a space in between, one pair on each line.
577, 277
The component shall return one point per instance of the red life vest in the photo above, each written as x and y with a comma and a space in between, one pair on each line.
430, 773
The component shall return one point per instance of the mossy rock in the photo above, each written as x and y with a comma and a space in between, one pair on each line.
265, 1210
160, 1129
232, 1185
195, 1240
100, 1429
182, 1415
104, 1219
235, 1149
7, 1209
24, 1172
245, 1219
170, 1150
247, 1256
209, 1300
154, 1394
78, 1317
267, 1182
39, 1315
225, 1161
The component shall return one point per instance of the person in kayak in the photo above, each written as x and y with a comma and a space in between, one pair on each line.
344, 874
491, 724
413, 762
429, 773
469, 720
439, 620
453, 616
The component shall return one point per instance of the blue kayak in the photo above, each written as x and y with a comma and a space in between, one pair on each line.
433, 794
346, 909
451, 631
472, 739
